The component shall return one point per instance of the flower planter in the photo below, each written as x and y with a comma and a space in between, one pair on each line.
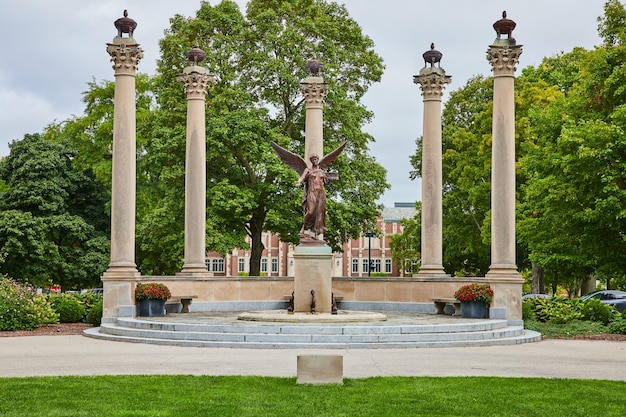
474, 310
152, 308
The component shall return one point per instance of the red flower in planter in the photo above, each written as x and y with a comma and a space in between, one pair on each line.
475, 292
152, 291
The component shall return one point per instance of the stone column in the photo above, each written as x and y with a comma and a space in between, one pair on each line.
432, 80
196, 81
314, 90
119, 278
503, 56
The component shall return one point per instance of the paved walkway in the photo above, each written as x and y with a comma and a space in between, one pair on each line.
79, 355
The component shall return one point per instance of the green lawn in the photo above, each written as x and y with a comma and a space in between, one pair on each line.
281, 397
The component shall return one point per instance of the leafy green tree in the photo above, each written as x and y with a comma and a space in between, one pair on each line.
573, 215
260, 59
53, 228
406, 246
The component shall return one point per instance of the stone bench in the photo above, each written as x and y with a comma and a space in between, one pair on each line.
441, 303
184, 300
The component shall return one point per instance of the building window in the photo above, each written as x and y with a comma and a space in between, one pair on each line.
241, 264
264, 265
366, 266
388, 266
355, 266
218, 265
274, 264
375, 265
207, 264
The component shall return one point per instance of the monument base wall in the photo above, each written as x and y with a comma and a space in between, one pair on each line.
374, 293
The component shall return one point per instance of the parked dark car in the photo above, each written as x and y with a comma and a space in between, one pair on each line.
612, 297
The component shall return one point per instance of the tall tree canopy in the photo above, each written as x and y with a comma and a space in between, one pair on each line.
260, 60
53, 225
576, 161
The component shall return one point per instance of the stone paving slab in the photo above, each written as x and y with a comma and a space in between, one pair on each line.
79, 355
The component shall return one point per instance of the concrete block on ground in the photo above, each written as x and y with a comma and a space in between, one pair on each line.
320, 369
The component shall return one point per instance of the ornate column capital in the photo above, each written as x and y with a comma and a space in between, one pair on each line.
504, 59
432, 83
314, 90
125, 57
196, 81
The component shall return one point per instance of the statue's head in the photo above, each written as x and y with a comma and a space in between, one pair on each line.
314, 158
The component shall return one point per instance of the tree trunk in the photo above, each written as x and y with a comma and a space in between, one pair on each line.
539, 284
256, 251
589, 285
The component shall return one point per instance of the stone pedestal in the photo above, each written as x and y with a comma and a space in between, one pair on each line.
118, 298
312, 271
320, 369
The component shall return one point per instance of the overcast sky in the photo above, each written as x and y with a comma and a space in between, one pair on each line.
50, 50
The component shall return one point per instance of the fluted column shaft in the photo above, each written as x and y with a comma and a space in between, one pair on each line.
125, 55
503, 59
314, 90
196, 82
432, 81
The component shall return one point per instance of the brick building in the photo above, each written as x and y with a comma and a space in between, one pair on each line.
355, 260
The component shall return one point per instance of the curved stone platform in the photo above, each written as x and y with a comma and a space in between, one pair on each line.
342, 316
400, 330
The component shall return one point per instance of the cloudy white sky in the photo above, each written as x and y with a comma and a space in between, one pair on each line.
51, 49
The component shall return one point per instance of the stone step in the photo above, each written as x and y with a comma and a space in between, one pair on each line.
308, 328
281, 336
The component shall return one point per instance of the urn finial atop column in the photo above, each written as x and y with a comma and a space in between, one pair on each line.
196, 55
125, 25
432, 56
504, 26
314, 67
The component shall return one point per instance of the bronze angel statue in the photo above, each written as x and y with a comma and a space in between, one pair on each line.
314, 179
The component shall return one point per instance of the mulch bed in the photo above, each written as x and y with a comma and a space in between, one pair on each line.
600, 336
61, 329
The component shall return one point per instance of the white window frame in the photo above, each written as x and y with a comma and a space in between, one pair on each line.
217, 264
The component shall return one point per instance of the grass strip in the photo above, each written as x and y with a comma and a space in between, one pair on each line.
184, 395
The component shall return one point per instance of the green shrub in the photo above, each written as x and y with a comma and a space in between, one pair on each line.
596, 310
556, 309
618, 325
70, 309
94, 316
527, 311
89, 300
21, 308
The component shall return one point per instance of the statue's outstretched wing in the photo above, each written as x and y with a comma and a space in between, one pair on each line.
289, 158
330, 158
